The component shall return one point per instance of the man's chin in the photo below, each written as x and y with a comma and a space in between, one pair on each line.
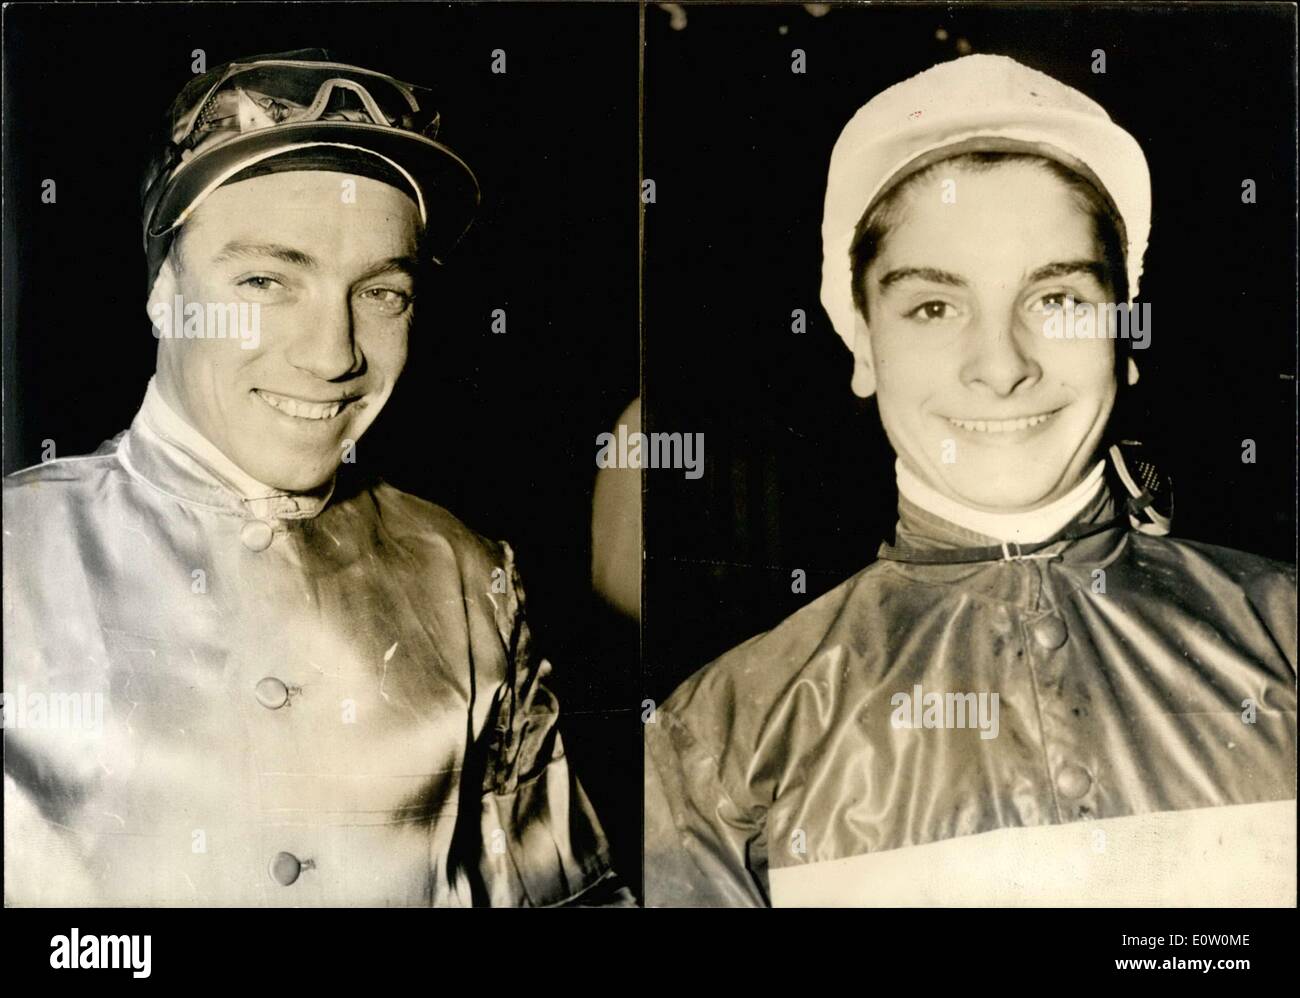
1009, 497
1003, 491
295, 479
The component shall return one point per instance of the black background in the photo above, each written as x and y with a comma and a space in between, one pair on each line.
798, 474
500, 429
937, 948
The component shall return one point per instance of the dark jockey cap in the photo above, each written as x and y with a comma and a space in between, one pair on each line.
303, 111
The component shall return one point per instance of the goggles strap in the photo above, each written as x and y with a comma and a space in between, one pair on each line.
317, 107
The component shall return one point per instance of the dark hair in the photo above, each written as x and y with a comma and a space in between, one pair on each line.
884, 214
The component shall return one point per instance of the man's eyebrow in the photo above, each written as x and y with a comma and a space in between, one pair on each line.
922, 274
395, 265
285, 254
1093, 268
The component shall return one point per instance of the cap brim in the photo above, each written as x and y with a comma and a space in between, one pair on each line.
447, 185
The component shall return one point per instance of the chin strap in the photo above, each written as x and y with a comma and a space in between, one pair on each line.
1006, 551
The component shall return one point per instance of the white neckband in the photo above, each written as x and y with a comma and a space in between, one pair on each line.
1031, 527
171, 425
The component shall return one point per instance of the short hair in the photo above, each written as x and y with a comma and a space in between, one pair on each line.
876, 223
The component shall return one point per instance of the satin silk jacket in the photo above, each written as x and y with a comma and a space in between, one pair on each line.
1141, 751
284, 701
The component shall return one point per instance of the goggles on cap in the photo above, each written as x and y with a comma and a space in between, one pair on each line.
249, 111
259, 94
256, 95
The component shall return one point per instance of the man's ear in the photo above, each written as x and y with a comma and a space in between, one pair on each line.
864, 372
162, 294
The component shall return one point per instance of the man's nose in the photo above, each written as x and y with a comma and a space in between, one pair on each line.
326, 347
1001, 357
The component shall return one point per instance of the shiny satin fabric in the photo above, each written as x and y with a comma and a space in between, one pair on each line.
1125, 667
405, 750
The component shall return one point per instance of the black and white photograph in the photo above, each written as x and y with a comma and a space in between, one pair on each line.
615, 454
308, 333
986, 594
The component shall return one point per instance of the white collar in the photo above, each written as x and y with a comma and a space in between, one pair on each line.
1031, 527
167, 423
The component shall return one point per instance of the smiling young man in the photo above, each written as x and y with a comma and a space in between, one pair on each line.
1033, 697
309, 687
333, 284
992, 423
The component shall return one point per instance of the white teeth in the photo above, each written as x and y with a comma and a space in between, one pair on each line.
1002, 425
297, 407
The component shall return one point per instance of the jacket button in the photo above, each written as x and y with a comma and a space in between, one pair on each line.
1073, 781
256, 535
1050, 633
285, 868
271, 693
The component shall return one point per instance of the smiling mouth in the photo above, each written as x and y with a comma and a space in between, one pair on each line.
302, 409
1002, 425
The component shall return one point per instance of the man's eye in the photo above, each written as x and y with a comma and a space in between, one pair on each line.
259, 283
1053, 301
388, 300
932, 311
264, 289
